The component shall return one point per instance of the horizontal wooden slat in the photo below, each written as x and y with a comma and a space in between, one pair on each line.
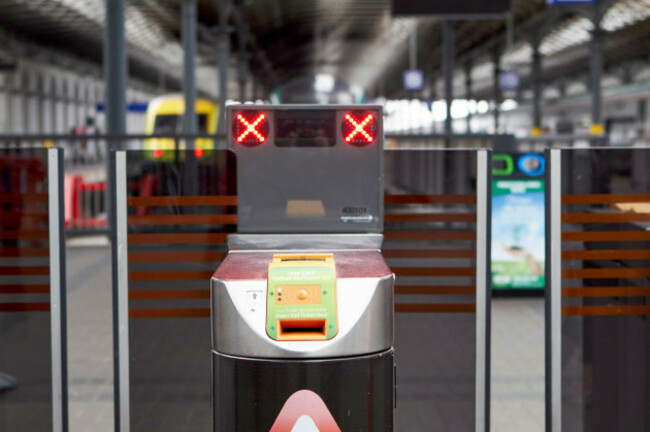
606, 273
580, 236
24, 270
605, 198
170, 313
606, 310
177, 238
6, 234
24, 252
179, 201
434, 271
176, 256
629, 291
429, 253
169, 294
170, 275
606, 254
435, 289
605, 217
430, 217
429, 199
431, 235
25, 289
24, 307
201, 219
434, 308
13, 198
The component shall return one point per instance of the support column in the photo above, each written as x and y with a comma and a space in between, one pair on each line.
115, 70
115, 76
223, 58
242, 75
537, 91
496, 54
242, 57
468, 92
54, 104
188, 33
596, 62
40, 108
11, 86
449, 40
26, 90
255, 86
64, 101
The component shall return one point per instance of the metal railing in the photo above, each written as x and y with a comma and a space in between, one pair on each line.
87, 168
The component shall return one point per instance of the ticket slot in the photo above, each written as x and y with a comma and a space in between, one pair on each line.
302, 329
302, 257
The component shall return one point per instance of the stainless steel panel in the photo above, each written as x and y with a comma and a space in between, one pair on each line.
123, 291
323, 242
482, 185
365, 315
343, 183
556, 289
55, 288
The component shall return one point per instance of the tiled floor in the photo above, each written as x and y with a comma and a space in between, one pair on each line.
517, 347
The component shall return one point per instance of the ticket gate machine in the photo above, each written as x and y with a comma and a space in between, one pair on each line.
302, 306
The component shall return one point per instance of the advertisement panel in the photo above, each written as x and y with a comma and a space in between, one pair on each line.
518, 232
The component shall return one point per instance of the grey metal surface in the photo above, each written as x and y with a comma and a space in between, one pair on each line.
57, 278
537, 85
122, 404
468, 93
115, 68
365, 319
482, 287
188, 18
330, 180
555, 285
596, 64
329, 242
449, 40
223, 57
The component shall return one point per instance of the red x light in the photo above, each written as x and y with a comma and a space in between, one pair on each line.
359, 128
250, 128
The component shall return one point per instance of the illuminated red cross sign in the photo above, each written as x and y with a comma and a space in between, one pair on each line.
249, 132
359, 129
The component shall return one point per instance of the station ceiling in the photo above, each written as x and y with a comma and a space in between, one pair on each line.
356, 40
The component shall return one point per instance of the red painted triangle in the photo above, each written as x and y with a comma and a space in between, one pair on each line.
301, 403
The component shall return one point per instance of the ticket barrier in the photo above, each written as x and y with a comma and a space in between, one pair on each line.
302, 306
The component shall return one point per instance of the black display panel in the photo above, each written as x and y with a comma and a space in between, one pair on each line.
450, 7
305, 128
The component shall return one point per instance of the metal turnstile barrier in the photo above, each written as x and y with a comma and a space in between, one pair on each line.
172, 216
437, 242
435, 230
598, 297
33, 362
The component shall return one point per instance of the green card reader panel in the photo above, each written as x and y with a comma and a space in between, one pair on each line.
301, 300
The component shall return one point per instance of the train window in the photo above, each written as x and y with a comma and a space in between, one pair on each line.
203, 123
173, 124
166, 124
